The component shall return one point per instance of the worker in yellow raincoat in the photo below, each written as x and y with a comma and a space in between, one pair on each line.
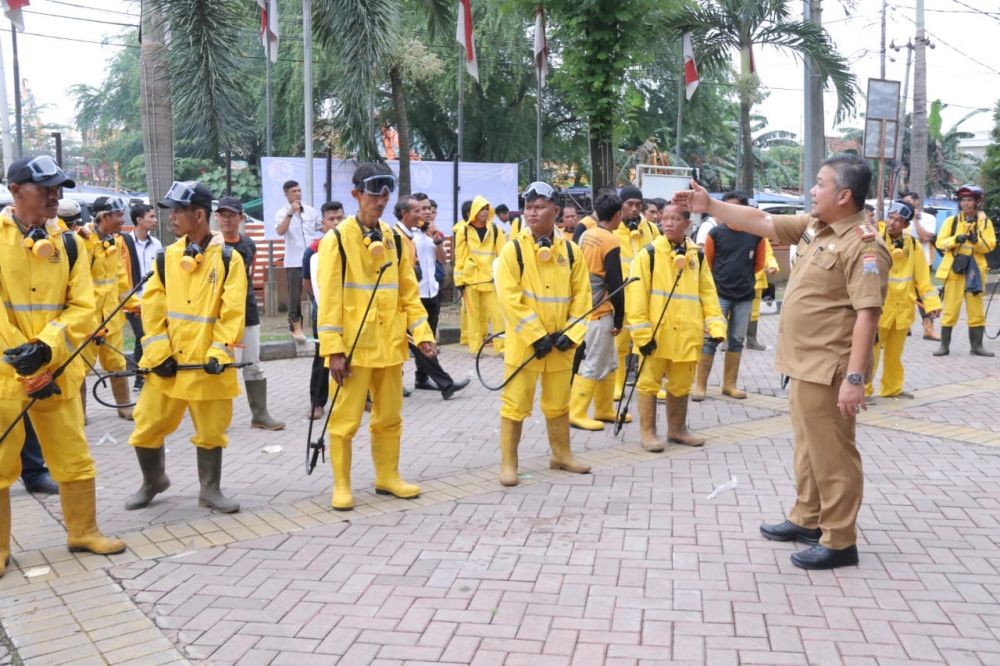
350, 258
193, 313
477, 245
770, 268
46, 313
909, 277
111, 283
692, 314
634, 233
544, 285
965, 239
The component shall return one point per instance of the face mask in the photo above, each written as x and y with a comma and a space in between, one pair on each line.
193, 256
544, 248
373, 241
36, 240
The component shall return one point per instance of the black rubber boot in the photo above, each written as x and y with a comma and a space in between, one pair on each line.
945, 342
152, 462
210, 474
976, 342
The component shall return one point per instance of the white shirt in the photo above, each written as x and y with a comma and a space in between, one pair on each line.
427, 256
304, 228
703, 230
146, 253
927, 222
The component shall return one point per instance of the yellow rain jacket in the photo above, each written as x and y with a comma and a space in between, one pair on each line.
542, 298
769, 262
694, 309
474, 257
632, 243
345, 291
43, 299
196, 317
957, 225
110, 276
908, 277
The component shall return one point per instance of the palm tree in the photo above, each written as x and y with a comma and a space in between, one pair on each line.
947, 165
721, 28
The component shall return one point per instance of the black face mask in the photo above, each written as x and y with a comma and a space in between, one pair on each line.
544, 241
898, 242
632, 224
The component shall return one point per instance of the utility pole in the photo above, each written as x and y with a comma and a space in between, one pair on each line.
918, 137
882, 51
156, 112
900, 186
815, 135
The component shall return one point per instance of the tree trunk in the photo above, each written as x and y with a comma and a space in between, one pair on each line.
746, 141
156, 113
918, 136
602, 164
402, 128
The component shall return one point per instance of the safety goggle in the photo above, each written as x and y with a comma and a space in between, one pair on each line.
43, 167
539, 189
115, 205
377, 185
181, 192
901, 209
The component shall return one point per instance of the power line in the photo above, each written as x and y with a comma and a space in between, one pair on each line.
80, 18
956, 49
976, 10
92, 9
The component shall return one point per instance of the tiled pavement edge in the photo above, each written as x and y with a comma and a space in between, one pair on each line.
297, 530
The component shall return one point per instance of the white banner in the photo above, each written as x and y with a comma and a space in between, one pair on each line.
497, 182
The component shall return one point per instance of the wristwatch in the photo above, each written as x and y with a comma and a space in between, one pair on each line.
855, 378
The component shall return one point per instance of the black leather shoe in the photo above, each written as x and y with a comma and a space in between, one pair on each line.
821, 557
406, 392
426, 385
789, 531
454, 388
42, 485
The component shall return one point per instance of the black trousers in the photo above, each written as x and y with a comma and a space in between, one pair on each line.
430, 367
319, 379
294, 276
433, 307
32, 463
135, 321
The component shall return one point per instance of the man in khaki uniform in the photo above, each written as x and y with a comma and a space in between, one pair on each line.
825, 340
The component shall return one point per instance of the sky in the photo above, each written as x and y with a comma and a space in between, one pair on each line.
56, 51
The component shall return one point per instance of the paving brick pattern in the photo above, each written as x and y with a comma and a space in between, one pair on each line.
631, 564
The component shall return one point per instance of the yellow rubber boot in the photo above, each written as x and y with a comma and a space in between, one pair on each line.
661, 395
604, 401
340, 461
731, 371
510, 437
647, 423
119, 389
4, 529
385, 456
677, 430
562, 457
79, 505
620, 376
581, 394
701, 377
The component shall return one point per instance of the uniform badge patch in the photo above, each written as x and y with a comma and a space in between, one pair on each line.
869, 265
866, 231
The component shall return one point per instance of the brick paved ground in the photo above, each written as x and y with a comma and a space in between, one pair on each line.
631, 564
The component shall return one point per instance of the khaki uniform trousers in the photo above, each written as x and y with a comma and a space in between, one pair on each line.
890, 349
157, 415
828, 475
679, 374
518, 396
59, 426
482, 310
386, 388
111, 360
954, 294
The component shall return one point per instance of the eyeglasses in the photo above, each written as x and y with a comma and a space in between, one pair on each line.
377, 185
539, 189
43, 167
181, 192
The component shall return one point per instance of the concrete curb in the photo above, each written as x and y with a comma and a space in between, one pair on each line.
276, 350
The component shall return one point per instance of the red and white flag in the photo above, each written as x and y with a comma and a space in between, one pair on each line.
12, 10
541, 47
690, 67
269, 27
463, 33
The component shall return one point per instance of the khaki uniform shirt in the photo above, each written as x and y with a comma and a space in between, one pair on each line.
841, 268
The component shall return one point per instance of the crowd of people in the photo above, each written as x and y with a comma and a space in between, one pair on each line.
628, 295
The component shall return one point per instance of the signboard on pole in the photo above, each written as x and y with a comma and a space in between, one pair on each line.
881, 128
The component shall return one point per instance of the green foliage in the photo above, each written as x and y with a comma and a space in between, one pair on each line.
991, 169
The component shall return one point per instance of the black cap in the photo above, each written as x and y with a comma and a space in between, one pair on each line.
50, 175
630, 192
230, 203
189, 193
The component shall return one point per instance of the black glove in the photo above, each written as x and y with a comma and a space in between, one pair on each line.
961, 238
213, 367
46, 391
648, 348
28, 358
562, 342
973, 237
167, 369
543, 346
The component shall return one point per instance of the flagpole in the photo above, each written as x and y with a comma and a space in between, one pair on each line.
461, 122
269, 111
8, 142
308, 96
17, 92
538, 129
271, 287
681, 91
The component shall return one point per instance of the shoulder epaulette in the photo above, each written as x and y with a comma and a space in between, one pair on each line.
866, 231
